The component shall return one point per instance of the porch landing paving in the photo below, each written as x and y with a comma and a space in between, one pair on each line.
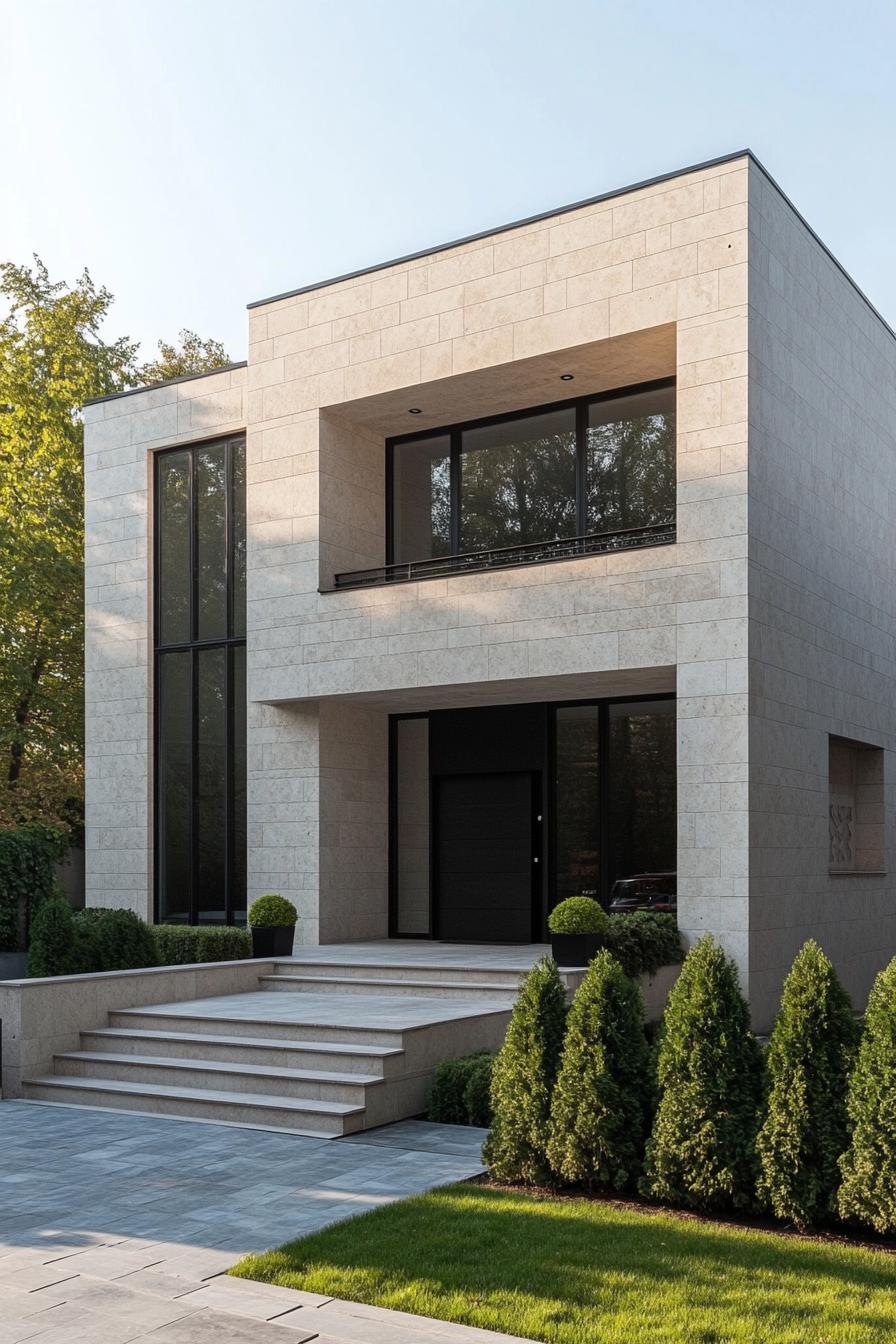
117, 1227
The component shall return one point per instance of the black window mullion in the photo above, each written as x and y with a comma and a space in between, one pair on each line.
455, 470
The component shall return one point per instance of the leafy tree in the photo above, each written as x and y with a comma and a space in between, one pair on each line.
192, 355
523, 1079
52, 359
601, 1103
805, 1128
868, 1166
701, 1149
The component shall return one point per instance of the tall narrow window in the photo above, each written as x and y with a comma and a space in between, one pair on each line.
200, 634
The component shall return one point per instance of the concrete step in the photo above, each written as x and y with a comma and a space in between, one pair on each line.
217, 1076
380, 1061
318, 1119
267, 1029
393, 972
474, 991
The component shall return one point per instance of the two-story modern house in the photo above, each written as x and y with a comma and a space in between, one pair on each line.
552, 558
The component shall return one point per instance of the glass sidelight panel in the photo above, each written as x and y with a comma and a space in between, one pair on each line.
518, 481
630, 461
175, 786
577, 801
410, 867
421, 499
642, 802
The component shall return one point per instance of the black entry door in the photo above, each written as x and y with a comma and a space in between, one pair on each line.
484, 857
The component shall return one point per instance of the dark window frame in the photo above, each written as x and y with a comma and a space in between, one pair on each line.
454, 433
549, 832
194, 647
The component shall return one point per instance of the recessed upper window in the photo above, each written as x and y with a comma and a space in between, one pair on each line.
598, 465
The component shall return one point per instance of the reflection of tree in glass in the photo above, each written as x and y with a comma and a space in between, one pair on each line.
518, 493
209, 483
642, 792
174, 547
631, 472
578, 803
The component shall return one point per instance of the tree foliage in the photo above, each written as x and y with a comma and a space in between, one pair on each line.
52, 359
523, 1079
701, 1149
805, 1127
191, 355
868, 1167
601, 1103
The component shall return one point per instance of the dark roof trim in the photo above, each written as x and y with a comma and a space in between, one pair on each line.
505, 228
579, 205
167, 382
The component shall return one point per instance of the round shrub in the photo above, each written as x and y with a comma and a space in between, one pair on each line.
477, 1093
578, 914
805, 1128
868, 1167
601, 1104
52, 947
523, 1079
272, 912
701, 1149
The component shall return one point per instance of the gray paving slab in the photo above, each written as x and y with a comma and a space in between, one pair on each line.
116, 1228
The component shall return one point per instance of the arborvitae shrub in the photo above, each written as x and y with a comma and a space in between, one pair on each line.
601, 1103
477, 1093
701, 1149
51, 949
868, 1167
523, 1079
805, 1127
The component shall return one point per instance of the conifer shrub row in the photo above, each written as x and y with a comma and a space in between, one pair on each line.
807, 1134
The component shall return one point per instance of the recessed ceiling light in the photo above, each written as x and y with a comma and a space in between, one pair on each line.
567, 377
414, 410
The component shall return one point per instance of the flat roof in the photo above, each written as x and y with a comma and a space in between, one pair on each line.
166, 382
579, 205
519, 224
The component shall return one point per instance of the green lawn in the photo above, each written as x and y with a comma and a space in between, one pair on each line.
582, 1272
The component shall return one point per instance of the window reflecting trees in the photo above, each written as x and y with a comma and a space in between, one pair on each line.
200, 683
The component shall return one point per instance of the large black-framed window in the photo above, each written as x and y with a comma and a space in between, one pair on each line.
590, 466
200, 682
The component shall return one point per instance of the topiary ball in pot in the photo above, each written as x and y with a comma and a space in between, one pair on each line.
578, 928
272, 920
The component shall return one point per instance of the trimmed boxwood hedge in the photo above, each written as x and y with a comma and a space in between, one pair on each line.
68, 943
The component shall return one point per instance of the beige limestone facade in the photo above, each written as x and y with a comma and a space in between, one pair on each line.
771, 619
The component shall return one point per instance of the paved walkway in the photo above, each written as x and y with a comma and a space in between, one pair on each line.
117, 1227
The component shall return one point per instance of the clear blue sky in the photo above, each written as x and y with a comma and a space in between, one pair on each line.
198, 154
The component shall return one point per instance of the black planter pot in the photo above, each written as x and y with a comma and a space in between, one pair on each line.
272, 942
575, 949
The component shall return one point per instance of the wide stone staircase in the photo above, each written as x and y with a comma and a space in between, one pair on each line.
323, 1047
